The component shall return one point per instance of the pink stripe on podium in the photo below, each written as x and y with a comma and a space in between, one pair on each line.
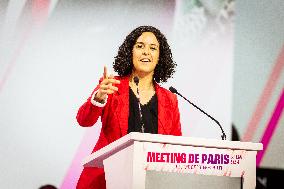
271, 127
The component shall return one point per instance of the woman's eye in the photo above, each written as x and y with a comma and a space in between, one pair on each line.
139, 46
153, 48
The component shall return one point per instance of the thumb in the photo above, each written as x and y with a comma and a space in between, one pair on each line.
111, 76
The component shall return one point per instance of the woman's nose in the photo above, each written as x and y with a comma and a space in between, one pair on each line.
146, 51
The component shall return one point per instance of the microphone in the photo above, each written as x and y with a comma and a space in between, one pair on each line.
136, 81
223, 136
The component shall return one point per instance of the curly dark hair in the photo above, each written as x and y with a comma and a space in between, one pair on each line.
165, 68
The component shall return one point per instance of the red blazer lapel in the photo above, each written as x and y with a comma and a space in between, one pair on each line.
122, 112
163, 108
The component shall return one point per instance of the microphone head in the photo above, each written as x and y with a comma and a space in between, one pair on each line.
136, 80
173, 90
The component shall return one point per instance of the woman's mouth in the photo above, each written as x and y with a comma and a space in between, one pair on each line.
145, 60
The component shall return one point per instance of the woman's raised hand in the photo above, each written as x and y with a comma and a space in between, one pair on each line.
106, 87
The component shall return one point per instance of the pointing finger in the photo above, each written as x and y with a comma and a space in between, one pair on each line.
105, 73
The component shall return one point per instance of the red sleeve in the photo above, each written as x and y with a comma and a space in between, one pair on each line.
176, 118
88, 113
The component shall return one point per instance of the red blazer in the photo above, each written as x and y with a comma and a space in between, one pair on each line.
114, 117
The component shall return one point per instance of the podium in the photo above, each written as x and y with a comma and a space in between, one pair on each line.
144, 161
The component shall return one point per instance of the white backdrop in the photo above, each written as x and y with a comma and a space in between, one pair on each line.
48, 70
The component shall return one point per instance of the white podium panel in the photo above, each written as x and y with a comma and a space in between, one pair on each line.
168, 180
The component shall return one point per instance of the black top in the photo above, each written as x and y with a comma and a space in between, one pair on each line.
149, 114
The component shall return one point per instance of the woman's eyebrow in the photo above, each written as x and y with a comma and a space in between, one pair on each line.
154, 44
144, 43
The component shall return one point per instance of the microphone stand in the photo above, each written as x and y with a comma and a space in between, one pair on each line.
136, 81
223, 136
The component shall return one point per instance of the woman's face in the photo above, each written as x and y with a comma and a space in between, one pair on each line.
146, 53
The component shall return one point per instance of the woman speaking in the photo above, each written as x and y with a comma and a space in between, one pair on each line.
132, 101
